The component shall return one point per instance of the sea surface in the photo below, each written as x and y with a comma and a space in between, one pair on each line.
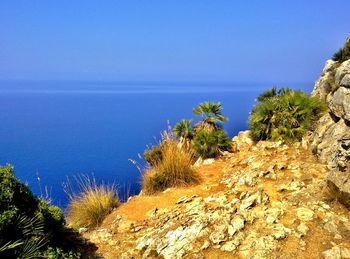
51, 130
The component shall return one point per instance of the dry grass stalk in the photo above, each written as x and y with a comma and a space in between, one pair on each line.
91, 204
175, 168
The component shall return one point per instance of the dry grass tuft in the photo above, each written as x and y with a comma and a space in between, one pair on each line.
174, 169
91, 204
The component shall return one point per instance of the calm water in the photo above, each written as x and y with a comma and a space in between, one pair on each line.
60, 129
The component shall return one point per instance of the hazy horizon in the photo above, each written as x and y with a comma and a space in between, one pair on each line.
182, 41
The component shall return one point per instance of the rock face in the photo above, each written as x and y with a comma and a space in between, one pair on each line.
331, 139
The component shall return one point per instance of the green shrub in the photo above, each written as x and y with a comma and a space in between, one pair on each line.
343, 53
153, 155
285, 116
28, 225
209, 144
207, 137
174, 169
58, 253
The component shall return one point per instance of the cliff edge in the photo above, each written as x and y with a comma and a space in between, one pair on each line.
331, 139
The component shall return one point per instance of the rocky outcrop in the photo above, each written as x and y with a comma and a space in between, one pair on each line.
271, 202
331, 139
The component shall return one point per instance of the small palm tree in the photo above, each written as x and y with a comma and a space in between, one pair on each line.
211, 111
183, 129
209, 144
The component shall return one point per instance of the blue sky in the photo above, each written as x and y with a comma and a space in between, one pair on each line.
182, 40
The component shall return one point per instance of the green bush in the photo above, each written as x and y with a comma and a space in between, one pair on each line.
28, 225
58, 253
284, 116
343, 53
153, 155
209, 144
207, 137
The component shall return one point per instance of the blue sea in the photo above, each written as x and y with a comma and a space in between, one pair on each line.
51, 130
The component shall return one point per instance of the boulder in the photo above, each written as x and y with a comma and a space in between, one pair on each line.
342, 72
339, 103
325, 84
339, 184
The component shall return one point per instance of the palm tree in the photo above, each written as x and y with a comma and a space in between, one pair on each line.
211, 111
183, 129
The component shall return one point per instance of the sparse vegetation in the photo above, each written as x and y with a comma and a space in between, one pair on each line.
174, 169
343, 53
207, 137
91, 204
171, 162
284, 115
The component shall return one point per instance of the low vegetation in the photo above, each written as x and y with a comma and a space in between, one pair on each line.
29, 226
209, 144
153, 155
284, 115
206, 137
89, 206
343, 53
174, 169
184, 130
170, 163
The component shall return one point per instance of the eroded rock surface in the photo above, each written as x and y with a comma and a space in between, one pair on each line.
331, 139
273, 203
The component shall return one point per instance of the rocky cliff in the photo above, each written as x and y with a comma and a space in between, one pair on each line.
331, 139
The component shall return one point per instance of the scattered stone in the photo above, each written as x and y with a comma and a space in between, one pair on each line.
208, 161
303, 228
234, 201
331, 226
248, 202
305, 214
184, 199
272, 215
152, 212
229, 246
336, 252
281, 232
302, 244
219, 234
221, 199
337, 236
242, 195
209, 199
237, 223
82, 230
205, 245
248, 179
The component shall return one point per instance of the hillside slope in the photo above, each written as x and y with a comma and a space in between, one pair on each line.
264, 201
